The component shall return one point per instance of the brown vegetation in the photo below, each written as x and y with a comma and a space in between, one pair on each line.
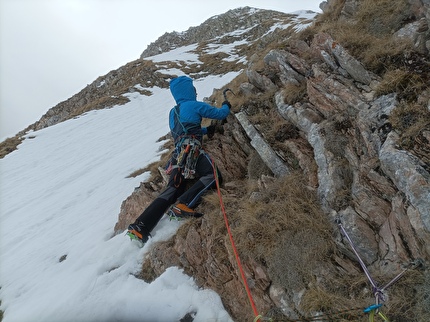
9, 145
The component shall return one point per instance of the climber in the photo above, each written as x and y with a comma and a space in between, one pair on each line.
188, 160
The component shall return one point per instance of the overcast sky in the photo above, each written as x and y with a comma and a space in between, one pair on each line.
51, 49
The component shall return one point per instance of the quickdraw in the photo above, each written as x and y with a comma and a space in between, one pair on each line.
378, 292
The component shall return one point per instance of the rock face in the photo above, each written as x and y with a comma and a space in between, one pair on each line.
345, 146
380, 192
218, 26
266, 153
418, 30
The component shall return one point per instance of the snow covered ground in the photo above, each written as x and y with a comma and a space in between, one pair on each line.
61, 193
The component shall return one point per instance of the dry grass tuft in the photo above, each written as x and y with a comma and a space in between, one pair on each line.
412, 120
284, 209
407, 84
138, 172
352, 291
100, 103
153, 167
317, 299
413, 287
9, 145
293, 93
382, 17
368, 35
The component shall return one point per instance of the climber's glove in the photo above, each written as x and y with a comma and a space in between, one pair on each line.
227, 103
210, 131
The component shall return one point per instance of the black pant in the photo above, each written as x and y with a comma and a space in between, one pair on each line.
176, 190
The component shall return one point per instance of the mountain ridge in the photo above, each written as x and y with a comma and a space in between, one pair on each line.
220, 25
108, 90
351, 129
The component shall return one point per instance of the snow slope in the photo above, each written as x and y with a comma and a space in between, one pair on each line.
61, 193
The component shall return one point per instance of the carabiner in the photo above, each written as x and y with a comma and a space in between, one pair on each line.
380, 314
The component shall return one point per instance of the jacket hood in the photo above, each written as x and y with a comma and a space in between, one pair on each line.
182, 89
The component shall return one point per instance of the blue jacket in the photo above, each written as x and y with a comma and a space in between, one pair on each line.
189, 110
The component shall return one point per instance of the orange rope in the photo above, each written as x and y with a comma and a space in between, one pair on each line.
236, 254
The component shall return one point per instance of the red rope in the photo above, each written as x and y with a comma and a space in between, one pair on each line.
236, 254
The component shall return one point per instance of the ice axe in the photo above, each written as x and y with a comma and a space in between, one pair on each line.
225, 93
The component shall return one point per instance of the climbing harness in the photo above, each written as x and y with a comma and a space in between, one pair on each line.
378, 292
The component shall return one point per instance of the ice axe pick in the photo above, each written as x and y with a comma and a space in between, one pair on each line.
225, 93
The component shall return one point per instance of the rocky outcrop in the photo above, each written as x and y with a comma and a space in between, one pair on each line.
269, 157
418, 31
355, 149
380, 193
253, 24
411, 179
346, 147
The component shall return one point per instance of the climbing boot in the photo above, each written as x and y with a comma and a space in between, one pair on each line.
181, 211
136, 232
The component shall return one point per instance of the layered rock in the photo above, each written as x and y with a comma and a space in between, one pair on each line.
380, 193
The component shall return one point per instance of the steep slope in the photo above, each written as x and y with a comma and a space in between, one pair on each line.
232, 44
332, 130
332, 123
60, 195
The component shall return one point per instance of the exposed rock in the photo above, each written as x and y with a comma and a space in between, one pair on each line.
246, 18
350, 64
349, 8
266, 153
134, 205
349, 155
332, 94
409, 176
278, 61
361, 235
417, 33
263, 83
247, 89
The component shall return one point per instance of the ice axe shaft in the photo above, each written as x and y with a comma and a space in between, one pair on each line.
225, 93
